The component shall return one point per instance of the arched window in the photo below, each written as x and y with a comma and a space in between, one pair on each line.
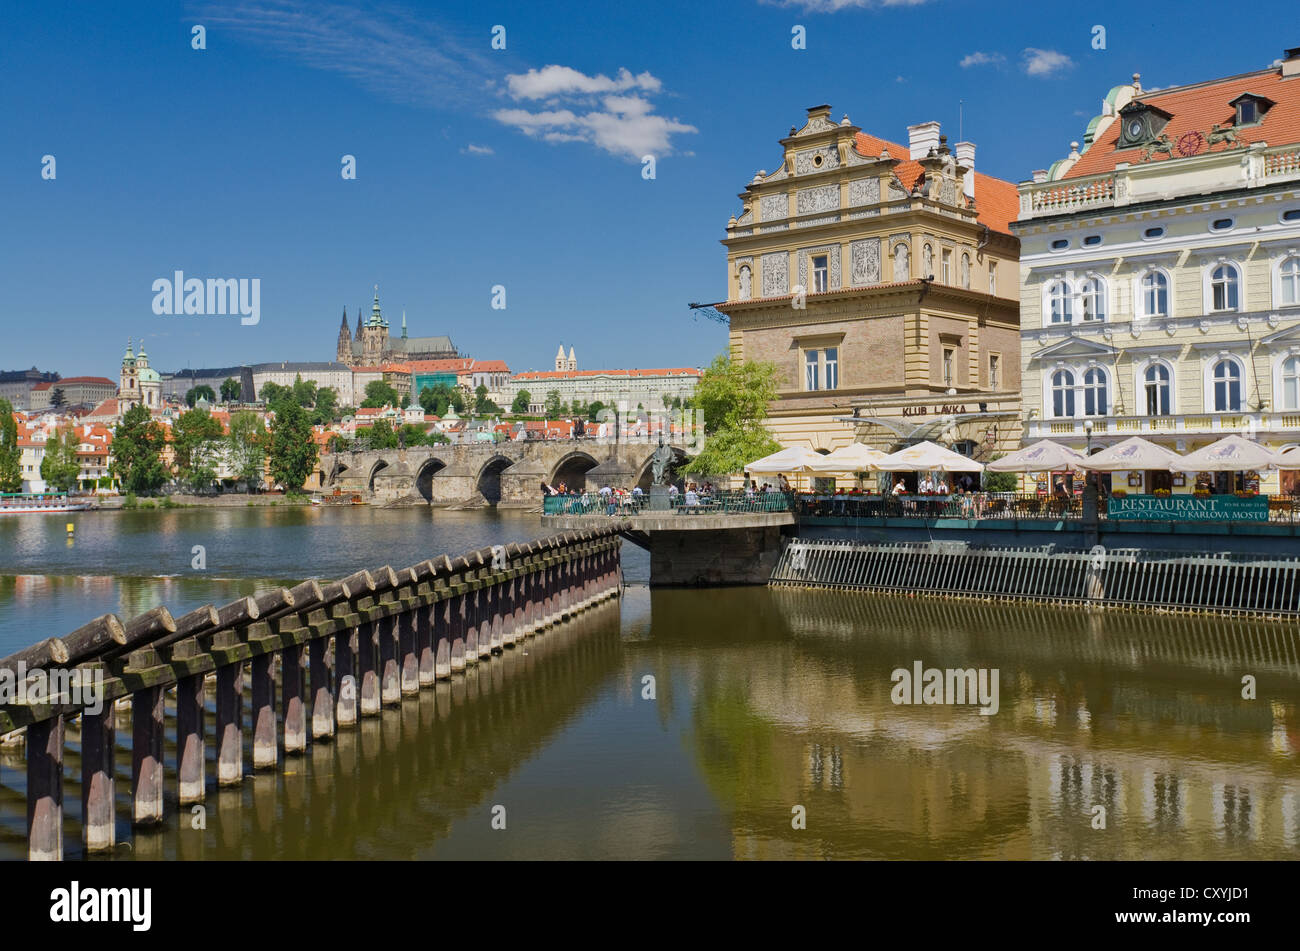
1227, 386
1291, 383
1289, 278
1155, 294
1092, 299
1094, 392
1156, 386
1062, 394
1224, 291
1058, 297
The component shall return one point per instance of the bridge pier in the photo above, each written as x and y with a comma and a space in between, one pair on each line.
265, 751
190, 745
98, 736
346, 643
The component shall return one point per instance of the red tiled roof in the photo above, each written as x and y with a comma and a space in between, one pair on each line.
1196, 108
997, 201
457, 364
490, 366
572, 374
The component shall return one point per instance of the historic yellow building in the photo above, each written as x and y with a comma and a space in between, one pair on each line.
1160, 274
881, 280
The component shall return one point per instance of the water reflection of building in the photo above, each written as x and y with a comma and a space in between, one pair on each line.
1182, 766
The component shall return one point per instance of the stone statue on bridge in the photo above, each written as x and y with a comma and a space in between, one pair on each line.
661, 462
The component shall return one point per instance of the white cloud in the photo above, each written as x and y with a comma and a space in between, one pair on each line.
473, 149
982, 59
565, 81
622, 125
1045, 62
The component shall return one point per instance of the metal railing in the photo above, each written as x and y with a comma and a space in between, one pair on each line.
1165, 580
974, 505
720, 502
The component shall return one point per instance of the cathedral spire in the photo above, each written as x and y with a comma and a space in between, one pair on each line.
403, 324
344, 325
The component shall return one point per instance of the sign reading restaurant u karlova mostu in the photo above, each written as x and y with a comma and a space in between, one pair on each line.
1190, 508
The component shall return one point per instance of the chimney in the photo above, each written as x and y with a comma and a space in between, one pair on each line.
965, 152
1291, 63
1040, 175
922, 138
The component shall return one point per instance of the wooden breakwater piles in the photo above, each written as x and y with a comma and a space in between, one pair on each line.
1230, 584
343, 649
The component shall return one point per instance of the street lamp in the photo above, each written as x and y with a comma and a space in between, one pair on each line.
1087, 429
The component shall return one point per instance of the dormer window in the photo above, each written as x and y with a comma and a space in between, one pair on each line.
1250, 108
1140, 123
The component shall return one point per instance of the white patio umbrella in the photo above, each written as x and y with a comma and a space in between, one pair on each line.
928, 457
855, 457
793, 459
1042, 456
1135, 453
1231, 454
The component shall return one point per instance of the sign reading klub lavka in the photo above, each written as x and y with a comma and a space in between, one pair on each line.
1189, 508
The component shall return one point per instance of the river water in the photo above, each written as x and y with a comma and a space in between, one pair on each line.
771, 709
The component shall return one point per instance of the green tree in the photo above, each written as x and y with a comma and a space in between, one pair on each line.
554, 405
326, 408
57, 397
482, 405
196, 440
734, 398
273, 394
137, 452
202, 390
1000, 481
60, 467
435, 399
379, 435
303, 392
457, 400
379, 393
412, 435
230, 388
11, 471
247, 440
594, 409
292, 451
521, 401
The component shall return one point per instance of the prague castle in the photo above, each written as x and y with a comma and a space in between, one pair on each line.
372, 346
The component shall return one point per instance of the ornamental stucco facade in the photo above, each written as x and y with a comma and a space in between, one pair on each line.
827, 278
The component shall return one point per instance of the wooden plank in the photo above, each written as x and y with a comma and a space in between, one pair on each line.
98, 826
47, 653
45, 790
190, 741
92, 637
147, 756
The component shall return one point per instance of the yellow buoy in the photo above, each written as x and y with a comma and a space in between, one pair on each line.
70, 528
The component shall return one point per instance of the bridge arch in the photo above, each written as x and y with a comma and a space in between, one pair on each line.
379, 466
488, 480
337, 471
424, 476
646, 477
572, 469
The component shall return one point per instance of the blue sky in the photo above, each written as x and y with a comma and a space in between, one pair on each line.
479, 167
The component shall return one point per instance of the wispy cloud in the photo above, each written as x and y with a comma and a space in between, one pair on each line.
472, 149
1045, 62
622, 125
982, 59
385, 50
835, 6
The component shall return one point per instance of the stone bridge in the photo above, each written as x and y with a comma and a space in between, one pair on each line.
508, 474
